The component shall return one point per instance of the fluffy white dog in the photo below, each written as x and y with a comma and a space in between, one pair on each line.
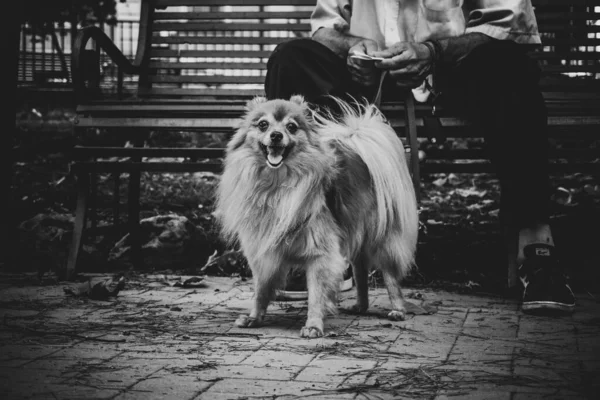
303, 191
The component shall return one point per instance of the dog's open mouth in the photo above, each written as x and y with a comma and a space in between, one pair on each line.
275, 154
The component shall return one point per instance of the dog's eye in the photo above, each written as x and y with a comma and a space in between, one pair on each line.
263, 125
292, 128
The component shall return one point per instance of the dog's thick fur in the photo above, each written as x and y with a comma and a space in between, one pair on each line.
303, 191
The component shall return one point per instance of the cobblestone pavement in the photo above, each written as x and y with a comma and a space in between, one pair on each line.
157, 341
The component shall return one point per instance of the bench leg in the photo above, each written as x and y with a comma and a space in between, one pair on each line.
134, 218
511, 238
83, 181
411, 136
92, 203
116, 202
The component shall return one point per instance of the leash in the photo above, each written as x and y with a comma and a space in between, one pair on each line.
377, 98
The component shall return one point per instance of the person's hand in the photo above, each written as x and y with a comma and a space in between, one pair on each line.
363, 72
408, 63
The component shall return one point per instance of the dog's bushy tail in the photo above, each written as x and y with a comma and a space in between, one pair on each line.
362, 130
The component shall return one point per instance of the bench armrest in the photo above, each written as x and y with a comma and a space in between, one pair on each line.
78, 64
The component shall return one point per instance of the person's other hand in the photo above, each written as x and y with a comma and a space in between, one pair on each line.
408, 63
363, 72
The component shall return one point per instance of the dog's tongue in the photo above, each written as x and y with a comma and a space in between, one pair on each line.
274, 159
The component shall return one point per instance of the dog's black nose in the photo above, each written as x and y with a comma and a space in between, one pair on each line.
276, 137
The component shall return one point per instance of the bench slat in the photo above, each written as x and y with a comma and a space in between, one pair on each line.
570, 29
178, 167
235, 39
200, 108
83, 153
228, 123
553, 121
88, 152
537, 3
555, 101
233, 15
224, 40
481, 154
161, 92
162, 53
174, 111
206, 79
485, 167
565, 84
220, 78
264, 54
195, 92
167, 3
545, 16
207, 65
164, 123
546, 41
215, 26
571, 68
592, 55
128, 166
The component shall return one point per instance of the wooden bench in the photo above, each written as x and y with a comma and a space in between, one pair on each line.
198, 61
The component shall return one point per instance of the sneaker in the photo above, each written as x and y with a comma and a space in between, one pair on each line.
545, 286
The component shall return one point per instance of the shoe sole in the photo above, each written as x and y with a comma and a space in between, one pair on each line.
547, 305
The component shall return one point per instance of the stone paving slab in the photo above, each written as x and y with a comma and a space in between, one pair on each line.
155, 341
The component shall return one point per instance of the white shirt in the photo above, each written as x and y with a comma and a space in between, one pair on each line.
391, 21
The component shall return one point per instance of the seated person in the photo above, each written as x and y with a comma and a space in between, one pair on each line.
476, 53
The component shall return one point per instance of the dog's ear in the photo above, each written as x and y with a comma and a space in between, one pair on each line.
252, 104
298, 99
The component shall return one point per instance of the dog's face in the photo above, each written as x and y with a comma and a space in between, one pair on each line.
275, 129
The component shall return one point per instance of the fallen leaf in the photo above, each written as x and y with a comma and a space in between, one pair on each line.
454, 180
562, 196
102, 290
474, 206
415, 295
472, 284
470, 192
440, 182
425, 309
193, 282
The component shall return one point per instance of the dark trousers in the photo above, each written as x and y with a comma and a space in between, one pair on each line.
495, 87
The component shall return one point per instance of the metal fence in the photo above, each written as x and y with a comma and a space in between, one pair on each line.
46, 60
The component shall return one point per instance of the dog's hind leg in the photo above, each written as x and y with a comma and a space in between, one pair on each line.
267, 279
360, 272
393, 266
392, 282
395, 257
323, 277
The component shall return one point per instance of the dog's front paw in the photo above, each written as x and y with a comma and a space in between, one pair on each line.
311, 332
245, 321
313, 328
397, 315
